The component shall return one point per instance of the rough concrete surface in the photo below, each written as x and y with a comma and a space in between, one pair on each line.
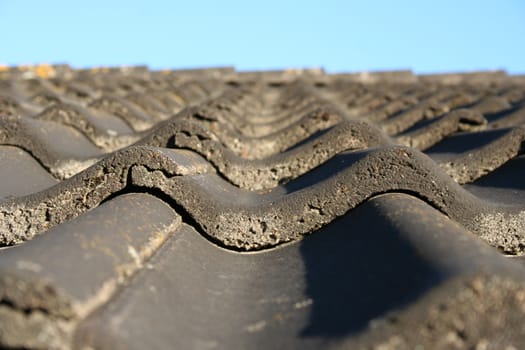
216, 209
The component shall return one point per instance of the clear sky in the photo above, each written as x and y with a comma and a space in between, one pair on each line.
425, 36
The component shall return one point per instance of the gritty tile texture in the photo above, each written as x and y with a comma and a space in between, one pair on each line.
216, 209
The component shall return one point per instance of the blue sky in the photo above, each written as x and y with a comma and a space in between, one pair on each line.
425, 36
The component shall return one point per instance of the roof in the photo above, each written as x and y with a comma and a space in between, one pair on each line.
293, 209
